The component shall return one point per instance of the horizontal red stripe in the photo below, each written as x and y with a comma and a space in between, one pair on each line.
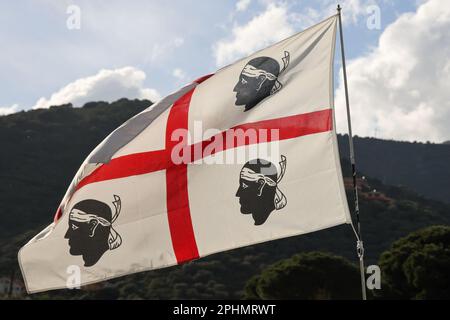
288, 128
296, 126
146, 162
129, 165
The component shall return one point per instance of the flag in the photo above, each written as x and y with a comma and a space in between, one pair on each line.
239, 157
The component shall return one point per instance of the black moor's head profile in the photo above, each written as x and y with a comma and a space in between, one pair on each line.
258, 80
90, 231
258, 190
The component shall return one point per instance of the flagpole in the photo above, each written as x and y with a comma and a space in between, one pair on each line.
359, 243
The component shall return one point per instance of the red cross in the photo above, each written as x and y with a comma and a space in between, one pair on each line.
178, 212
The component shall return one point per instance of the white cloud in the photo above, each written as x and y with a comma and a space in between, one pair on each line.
265, 29
106, 85
400, 89
352, 12
179, 74
159, 50
242, 5
8, 110
278, 21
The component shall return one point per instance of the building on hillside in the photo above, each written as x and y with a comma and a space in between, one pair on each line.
365, 190
361, 184
374, 195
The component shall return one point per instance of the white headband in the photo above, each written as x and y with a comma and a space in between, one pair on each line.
81, 216
114, 239
252, 72
280, 200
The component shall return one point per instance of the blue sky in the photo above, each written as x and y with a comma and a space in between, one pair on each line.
150, 48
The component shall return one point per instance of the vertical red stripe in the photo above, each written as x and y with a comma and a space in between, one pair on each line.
178, 212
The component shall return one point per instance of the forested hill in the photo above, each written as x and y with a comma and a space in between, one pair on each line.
41, 152
422, 167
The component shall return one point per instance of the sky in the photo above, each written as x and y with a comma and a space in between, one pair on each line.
397, 53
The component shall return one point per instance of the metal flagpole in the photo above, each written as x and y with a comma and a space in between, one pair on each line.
359, 243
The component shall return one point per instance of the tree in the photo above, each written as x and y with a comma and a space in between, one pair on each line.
309, 276
417, 266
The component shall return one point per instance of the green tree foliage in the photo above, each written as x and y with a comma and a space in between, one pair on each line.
307, 276
418, 266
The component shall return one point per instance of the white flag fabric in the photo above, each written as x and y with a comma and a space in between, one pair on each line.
245, 155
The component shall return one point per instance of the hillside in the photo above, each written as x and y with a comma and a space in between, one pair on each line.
44, 148
422, 167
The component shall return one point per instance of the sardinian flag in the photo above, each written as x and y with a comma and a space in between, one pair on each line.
242, 156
